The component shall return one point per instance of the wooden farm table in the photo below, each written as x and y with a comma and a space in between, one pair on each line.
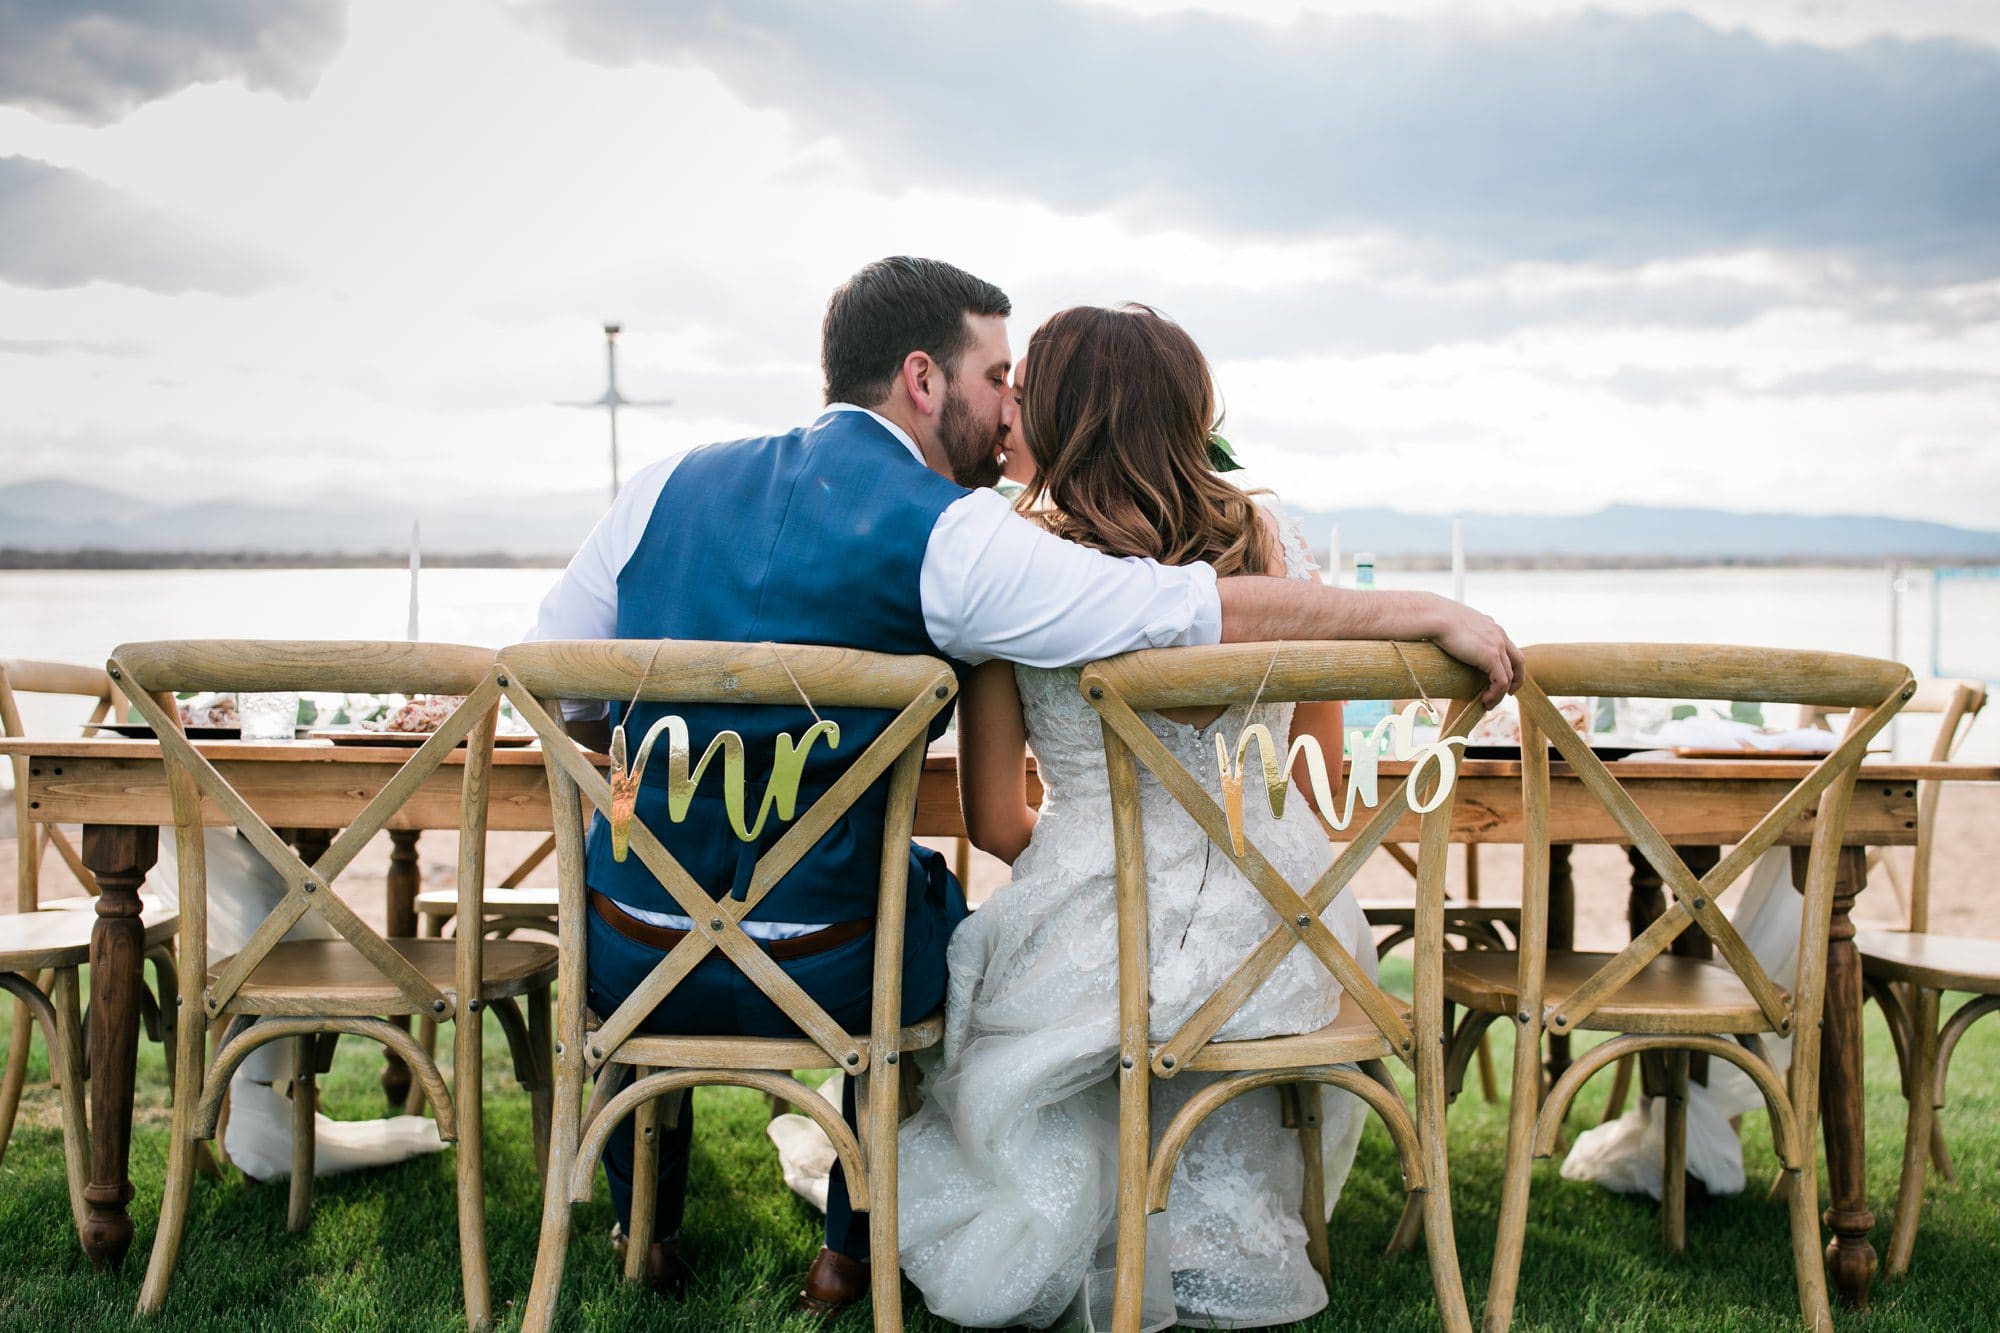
117, 790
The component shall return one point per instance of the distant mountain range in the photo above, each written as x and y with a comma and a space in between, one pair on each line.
42, 522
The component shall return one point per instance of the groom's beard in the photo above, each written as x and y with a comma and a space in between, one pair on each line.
969, 447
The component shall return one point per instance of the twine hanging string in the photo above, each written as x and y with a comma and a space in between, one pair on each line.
653, 661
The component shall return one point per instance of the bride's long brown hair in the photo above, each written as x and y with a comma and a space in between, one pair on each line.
1117, 412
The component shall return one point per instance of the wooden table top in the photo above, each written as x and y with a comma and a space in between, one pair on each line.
944, 756
316, 783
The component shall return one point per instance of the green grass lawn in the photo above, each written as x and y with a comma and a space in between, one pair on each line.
382, 1251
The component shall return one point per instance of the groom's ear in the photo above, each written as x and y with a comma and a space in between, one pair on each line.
924, 381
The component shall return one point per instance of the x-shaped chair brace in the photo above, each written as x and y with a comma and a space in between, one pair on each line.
1298, 914
310, 886
718, 923
1694, 897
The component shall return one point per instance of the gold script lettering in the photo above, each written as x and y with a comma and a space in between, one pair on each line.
781, 793
1363, 779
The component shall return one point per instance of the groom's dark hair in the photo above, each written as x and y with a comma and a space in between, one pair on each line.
892, 308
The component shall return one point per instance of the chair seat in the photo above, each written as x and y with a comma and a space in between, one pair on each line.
1350, 1036
1939, 962
1403, 912
535, 903
1669, 994
330, 977
59, 934
668, 1052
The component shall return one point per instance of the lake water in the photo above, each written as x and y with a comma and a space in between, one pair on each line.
79, 616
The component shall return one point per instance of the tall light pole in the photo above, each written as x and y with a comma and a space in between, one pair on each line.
611, 400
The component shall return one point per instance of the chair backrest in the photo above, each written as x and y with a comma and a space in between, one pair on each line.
1119, 688
151, 673
1870, 689
19, 676
1956, 705
536, 675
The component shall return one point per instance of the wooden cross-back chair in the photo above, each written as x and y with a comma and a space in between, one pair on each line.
1907, 972
512, 904
1475, 923
916, 688
1372, 1027
41, 947
312, 991
1655, 1000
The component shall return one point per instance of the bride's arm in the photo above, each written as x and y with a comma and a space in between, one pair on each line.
1321, 721
993, 762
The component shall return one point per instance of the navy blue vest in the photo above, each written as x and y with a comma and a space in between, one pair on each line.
816, 536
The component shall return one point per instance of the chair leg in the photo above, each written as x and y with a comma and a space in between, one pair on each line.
190, 1055
1524, 1104
645, 1184
305, 1104
1135, 1138
1673, 1169
67, 1057
1917, 1135
1489, 1082
1808, 1261
467, 1101
882, 1086
565, 1128
1312, 1200
16, 1076
541, 1096
1940, 1153
428, 927
1621, 1089
167, 988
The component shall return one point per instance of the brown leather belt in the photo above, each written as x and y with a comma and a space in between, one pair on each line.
662, 937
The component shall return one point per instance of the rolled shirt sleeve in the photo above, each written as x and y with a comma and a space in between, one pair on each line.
996, 585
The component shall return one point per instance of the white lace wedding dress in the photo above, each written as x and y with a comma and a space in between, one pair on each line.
1008, 1170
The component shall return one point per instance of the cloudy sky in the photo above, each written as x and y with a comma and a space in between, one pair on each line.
1494, 254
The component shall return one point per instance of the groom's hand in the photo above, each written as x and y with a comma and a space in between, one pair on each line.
1478, 641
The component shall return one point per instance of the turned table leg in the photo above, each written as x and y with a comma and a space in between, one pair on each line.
1848, 1216
399, 921
120, 856
1562, 937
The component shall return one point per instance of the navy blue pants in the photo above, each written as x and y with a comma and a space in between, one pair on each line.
715, 999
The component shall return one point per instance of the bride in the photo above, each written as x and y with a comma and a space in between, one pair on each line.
1008, 1171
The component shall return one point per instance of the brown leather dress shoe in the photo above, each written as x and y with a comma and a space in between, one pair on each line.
833, 1283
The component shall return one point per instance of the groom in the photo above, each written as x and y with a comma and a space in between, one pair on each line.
872, 529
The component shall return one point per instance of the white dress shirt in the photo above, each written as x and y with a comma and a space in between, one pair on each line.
993, 585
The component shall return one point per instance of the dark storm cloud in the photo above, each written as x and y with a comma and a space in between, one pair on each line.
95, 60
61, 228
1593, 137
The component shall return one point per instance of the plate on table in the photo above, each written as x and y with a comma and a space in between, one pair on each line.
409, 739
1703, 752
140, 731
1608, 749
